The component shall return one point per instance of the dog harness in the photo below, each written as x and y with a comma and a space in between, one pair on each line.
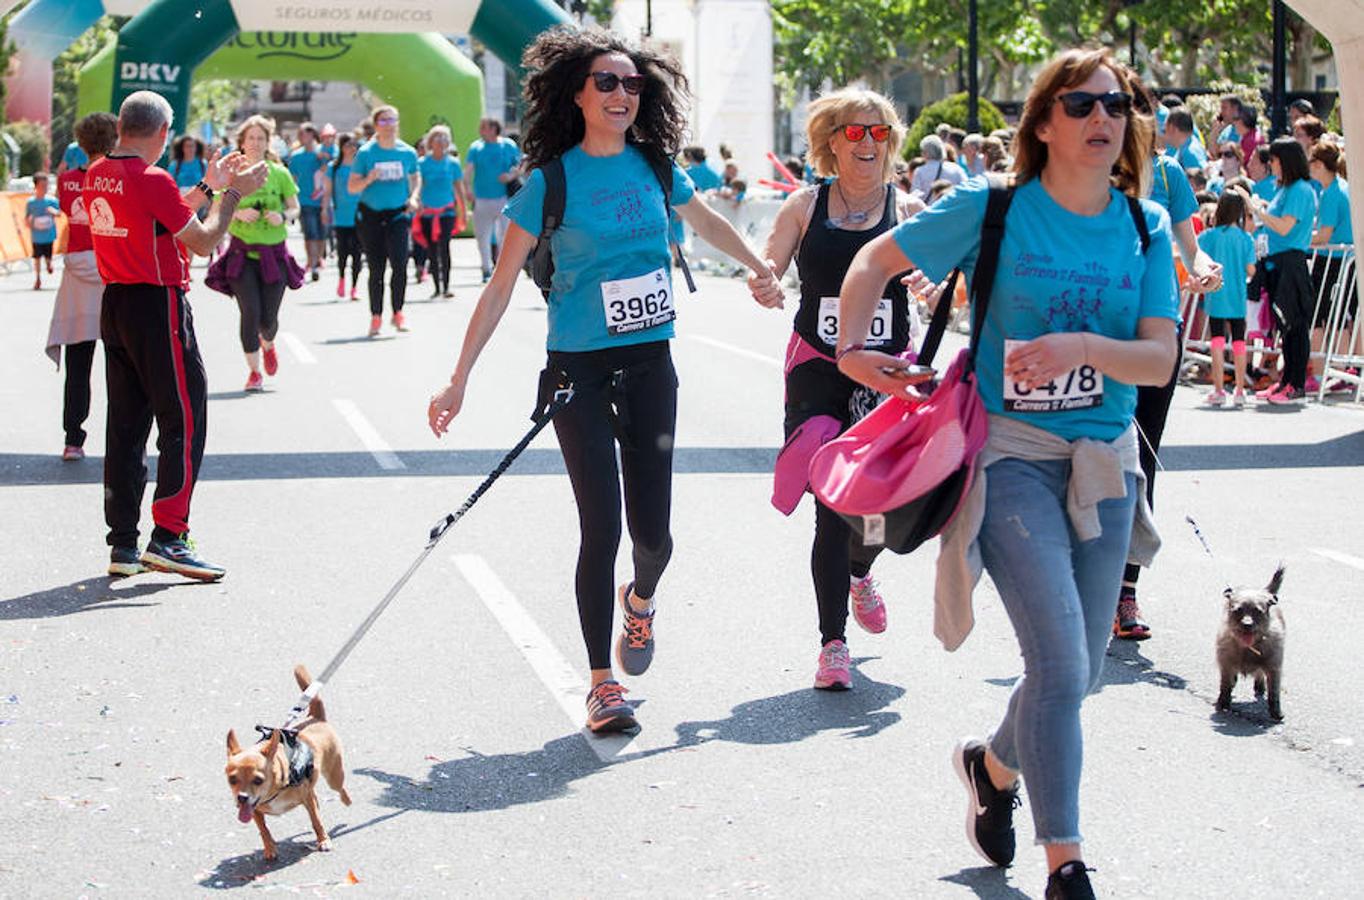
300, 756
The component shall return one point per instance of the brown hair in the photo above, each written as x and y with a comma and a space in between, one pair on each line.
1311, 126
1131, 171
1328, 155
97, 133
264, 123
1231, 209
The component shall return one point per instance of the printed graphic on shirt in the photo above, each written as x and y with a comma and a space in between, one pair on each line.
102, 218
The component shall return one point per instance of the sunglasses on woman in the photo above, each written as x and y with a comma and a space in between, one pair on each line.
606, 82
1079, 104
854, 133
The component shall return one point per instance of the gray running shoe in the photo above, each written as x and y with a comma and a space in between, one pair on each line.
124, 561
635, 646
607, 710
181, 558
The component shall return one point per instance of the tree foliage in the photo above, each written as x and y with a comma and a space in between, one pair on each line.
33, 146
951, 110
66, 76
216, 102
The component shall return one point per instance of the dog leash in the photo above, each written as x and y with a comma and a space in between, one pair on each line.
561, 398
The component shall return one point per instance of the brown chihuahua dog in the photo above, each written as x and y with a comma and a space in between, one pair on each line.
1251, 643
268, 778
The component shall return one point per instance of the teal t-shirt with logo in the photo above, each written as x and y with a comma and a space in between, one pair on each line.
43, 211
394, 164
613, 238
490, 161
1058, 272
1299, 201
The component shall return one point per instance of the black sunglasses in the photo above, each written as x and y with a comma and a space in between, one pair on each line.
606, 82
1079, 104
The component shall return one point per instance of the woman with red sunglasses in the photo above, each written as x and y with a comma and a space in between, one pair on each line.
1082, 310
854, 138
613, 115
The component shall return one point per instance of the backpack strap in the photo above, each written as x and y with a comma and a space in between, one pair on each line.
1139, 219
663, 171
556, 196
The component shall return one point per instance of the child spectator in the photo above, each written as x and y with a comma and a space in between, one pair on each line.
1232, 248
40, 217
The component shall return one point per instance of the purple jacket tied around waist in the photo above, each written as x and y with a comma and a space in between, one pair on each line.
276, 262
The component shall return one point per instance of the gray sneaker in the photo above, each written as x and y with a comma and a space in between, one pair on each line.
607, 710
635, 646
125, 561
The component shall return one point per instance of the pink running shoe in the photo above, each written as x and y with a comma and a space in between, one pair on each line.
1311, 385
834, 672
375, 323
399, 322
867, 607
271, 359
72, 453
1215, 398
1287, 396
254, 383
1270, 391
341, 288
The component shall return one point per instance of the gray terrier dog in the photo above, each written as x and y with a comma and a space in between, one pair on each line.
1251, 642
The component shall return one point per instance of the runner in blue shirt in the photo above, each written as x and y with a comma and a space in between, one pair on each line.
1077, 309
1333, 227
442, 192
491, 166
385, 176
1289, 218
339, 208
40, 215
611, 311
305, 162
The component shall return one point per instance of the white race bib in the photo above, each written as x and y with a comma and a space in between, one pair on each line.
389, 170
42, 223
1080, 388
881, 323
634, 304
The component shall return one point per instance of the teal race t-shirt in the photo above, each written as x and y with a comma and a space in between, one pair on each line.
343, 200
438, 180
612, 267
1233, 249
1299, 201
43, 211
394, 164
1333, 209
490, 161
1058, 272
303, 165
1170, 188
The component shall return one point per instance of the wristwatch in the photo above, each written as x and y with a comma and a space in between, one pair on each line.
203, 186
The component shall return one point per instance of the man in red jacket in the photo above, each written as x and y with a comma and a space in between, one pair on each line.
143, 230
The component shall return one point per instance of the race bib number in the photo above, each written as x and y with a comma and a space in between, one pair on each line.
389, 170
829, 322
1080, 388
634, 304
42, 223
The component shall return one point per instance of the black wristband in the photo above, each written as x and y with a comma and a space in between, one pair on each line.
203, 186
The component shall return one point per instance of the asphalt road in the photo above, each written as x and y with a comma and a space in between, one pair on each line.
460, 713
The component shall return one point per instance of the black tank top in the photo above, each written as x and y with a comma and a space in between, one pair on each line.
822, 260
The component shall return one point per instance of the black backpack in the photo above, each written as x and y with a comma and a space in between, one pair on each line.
540, 263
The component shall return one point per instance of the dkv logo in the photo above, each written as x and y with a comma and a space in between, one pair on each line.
157, 73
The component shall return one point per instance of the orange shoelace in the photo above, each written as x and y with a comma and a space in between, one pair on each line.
638, 629
608, 694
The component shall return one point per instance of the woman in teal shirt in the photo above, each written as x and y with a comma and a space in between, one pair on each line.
1333, 229
612, 112
1288, 218
385, 176
1078, 317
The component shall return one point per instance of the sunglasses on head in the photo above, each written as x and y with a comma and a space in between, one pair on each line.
606, 82
1079, 104
854, 133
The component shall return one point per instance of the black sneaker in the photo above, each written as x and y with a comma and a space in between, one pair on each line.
180, 557
989, 811
607, 710
1070, 881
635, 646
125, 561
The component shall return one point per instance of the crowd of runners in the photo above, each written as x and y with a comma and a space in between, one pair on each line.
1059, 513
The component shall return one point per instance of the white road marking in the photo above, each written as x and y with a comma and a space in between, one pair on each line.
297, 348
383, 454
741, 351
556, 673
1339, 557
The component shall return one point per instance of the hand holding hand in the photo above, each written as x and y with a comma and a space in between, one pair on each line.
247, 215
1044, 358
445, 405
766, 287
922, 288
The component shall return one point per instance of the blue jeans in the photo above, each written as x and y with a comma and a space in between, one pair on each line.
1060, 593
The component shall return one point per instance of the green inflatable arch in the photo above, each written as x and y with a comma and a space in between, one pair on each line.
422, 74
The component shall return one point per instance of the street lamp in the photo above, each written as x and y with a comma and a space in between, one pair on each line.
973, 87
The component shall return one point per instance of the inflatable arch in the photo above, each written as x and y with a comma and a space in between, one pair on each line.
167, 40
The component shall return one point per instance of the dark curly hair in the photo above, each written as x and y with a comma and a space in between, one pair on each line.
559, 63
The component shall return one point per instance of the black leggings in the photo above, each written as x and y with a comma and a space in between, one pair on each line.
1220, 327
438, 230
387, 242
259, 302
1153, 408
80, 359
348, 247
817, 388
625, 395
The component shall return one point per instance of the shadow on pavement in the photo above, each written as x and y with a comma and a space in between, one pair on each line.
987, 882
790, 718
81, 596
479, 783
248, 868
1125, 665
1245, 719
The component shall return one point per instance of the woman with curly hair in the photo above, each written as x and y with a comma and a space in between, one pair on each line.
1058, 484
854, 138
613, 114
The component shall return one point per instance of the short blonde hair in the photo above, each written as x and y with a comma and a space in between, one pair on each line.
832, 111
442, 132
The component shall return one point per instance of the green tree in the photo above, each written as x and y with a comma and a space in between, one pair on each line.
33, 146
951, 110
216, 102
839, 41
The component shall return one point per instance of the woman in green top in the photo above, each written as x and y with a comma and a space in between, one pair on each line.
257, 266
